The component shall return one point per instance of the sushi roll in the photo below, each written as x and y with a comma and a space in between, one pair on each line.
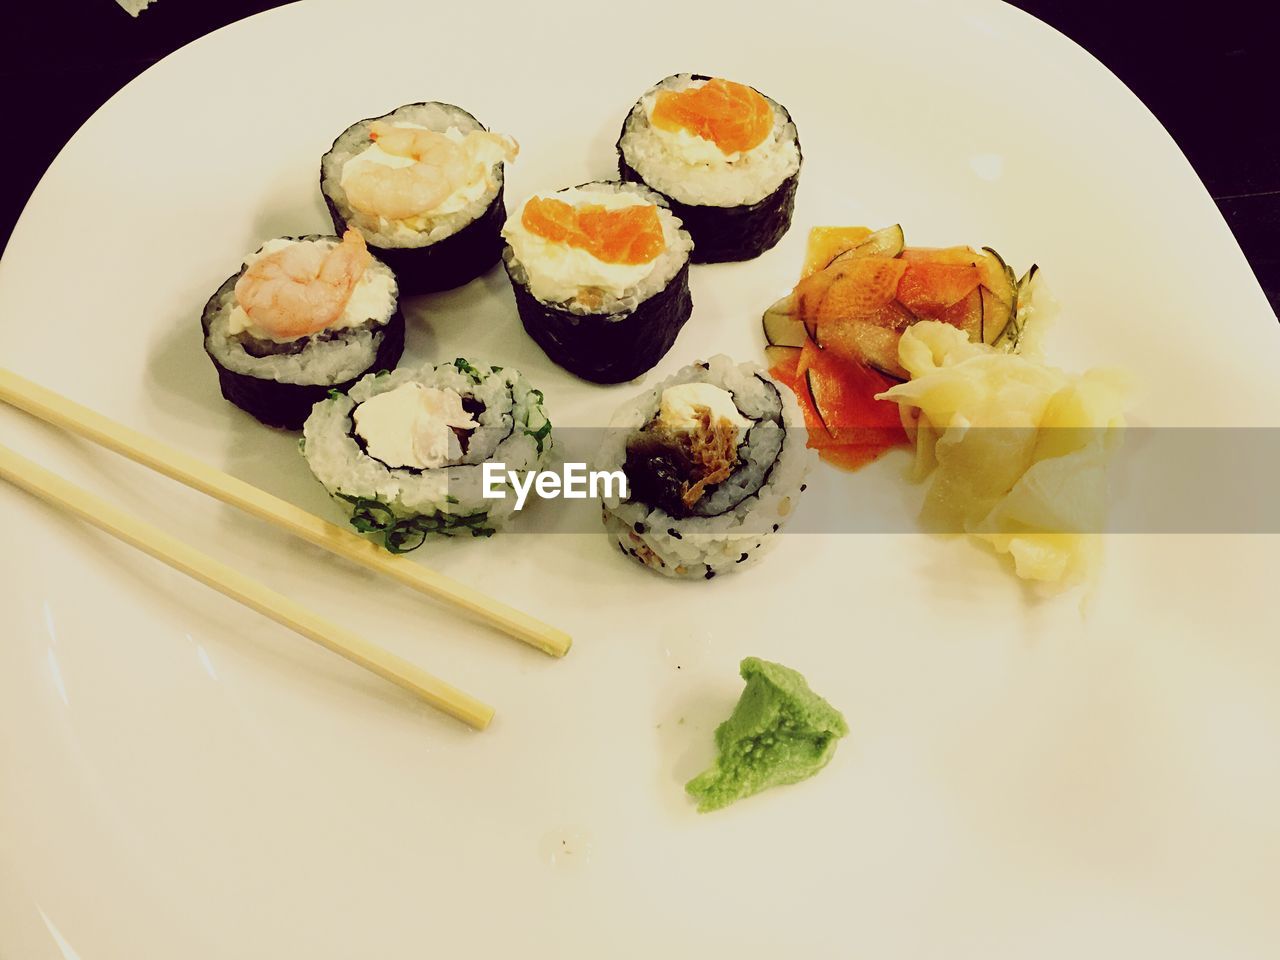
423, 183
715, 460
403, 452
725, 156
302, 317
601, 277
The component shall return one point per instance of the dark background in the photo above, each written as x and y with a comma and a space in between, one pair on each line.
1209, 71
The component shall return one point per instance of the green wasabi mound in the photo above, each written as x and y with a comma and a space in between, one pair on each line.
780, 732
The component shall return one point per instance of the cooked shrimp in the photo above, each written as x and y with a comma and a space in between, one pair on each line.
441, 165
304, 287
425, 146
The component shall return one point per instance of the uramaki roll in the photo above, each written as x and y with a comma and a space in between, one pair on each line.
715, 460
404, 452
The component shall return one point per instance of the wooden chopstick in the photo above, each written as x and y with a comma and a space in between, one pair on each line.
58, 410
62, 493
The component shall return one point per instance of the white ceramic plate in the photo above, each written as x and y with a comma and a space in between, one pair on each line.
180, 778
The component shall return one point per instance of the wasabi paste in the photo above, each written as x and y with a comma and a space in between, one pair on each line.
780, 732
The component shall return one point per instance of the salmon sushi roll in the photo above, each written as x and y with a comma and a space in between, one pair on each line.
423, 184
303, 317
601, 277
726, 157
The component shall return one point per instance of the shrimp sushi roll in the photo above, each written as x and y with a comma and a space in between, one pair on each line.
302, 317
601, 277
725, 156
715, 461
403, 453
423, 184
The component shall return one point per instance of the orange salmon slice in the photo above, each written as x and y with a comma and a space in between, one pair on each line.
628, 235
858, 288
731, 115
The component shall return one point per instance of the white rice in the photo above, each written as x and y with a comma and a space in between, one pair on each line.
379, 231
744, 180
343, 356
593, 300
513, 430
736, 522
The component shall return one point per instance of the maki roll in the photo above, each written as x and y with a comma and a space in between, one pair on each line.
423, 184
715, 460
302, 317
403, 452
601, 277
725, 156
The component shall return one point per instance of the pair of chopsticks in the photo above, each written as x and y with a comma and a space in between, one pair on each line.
68, 415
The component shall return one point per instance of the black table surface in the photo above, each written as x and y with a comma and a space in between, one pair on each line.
1207, 71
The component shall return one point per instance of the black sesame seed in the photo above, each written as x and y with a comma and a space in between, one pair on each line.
674, 532
623, 549
804, 487
741, 558
639, 527
775, 528
709, 574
